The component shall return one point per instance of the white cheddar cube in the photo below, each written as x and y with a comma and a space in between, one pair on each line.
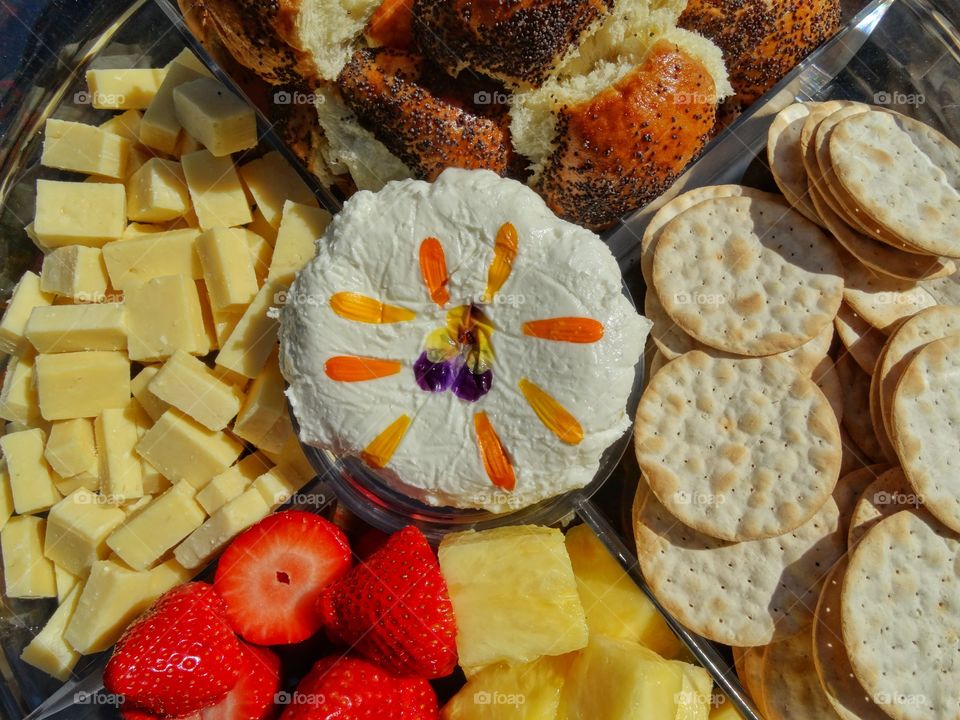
140, 387
31, 480
227, 268
261, 253
70, 328
84, 148
255, 336
160, 128
163, 316
153, 481
81, 384
66, 581
77, 530
182, 449
261, 227
157, 192
272, 181
263, 408
147, 536
48, 650
300, 227
117, 435
124, 88
134, 261
27, 295
75, 272
278, 484
214, 116
232, 482
18, 395
79, 213
71, 448
6, 496
27, 573
215, 189
193, 388
292, 457
185, 145
126, 125
228, 522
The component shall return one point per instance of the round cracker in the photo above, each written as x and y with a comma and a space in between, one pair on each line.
747, 275
851, 487
786, 158
888, 494
882, 301
843, 691
926, 418
901, 617
863, 341
790, 684
856, 408
818, 114
749, 593
656, 362
737, 449
876, 419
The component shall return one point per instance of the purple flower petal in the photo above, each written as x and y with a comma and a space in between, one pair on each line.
470, 387
431, 376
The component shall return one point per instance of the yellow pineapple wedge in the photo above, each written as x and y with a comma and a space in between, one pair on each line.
514, 595
512, 692
614, 679
614, 605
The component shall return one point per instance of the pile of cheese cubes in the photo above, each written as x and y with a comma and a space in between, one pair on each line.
147, 422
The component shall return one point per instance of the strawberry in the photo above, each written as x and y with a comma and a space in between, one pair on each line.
253, 696
178, 657
345, 688
272, 574
418, 701
394, 609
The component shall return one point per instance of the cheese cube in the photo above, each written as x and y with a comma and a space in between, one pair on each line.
84, 148
157, 192
228, 522
227, 268
79, 213
18, 395
86, 480
124, 88
163, 316
133, 507
27, 573
215, 189
160, 127
6, 496
117, 436
69, 328
272, 181
232, 482
261, 254
224, 324
76, 272
255, 336
300, 228
71, 448
48, 650
187, 58
261, 227
31, 480
278, 484
140, 387
209, 323
136, 260
217, 118
135, 230
185, 145
152, 480
81, 384
190, 386
113, 597
27, 295
182, 449
263, 408
144, 538
293, 457
66, 581
126, 125
77, 530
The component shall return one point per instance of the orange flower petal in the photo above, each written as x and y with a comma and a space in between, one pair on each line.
378, 453
495, 460
433, 267
362, 308
350, 368
565, 329
504, 253
551, 413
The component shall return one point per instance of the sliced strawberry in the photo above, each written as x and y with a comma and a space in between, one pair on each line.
394, 609
344, 688
178, 657
252, 698
418, 701
272, 574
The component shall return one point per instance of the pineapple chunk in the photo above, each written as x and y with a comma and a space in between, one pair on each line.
522, 577
614, 605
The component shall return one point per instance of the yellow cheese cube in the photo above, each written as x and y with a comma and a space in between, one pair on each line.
231, 377
31, 480
69, 328
140, 387
217, 118
300, 227
227, 268
71, 448
86, 480
81, 384
187, 58
27, 573
138, 156
27, 295
278, 484
77, 530
272, 181
79, 213
117, 436
292, 456
126, 125
124, 88
232, 482
153, 481
185, 145
190, 386
261, 227
261, 253
182, 449
134, 261
215, 190
133, 507
163, 316
255, 336
209, 323
18, 395
224, 324
228, 522
157, 192
66, 581
48, 650
76, 272
263, 408
84, 148
160, 127
144, 538
135, 230
6, 496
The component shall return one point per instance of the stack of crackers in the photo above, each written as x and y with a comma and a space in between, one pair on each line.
801, 492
